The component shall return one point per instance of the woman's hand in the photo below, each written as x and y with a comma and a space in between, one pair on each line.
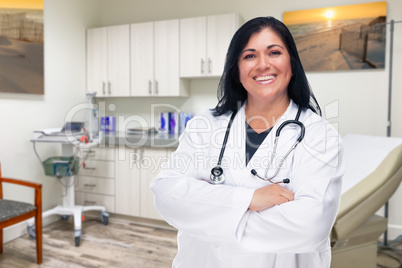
267, 196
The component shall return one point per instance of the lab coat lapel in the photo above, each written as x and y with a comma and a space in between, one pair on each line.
235, 150
288, 136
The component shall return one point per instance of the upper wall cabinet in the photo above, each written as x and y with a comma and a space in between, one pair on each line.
155, 59
108, 61
204, 42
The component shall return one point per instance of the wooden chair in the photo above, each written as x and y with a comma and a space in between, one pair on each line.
12, 212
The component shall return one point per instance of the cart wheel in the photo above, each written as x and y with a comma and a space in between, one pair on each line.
65, 217
77, 237
31, 231
104, 217
77, 240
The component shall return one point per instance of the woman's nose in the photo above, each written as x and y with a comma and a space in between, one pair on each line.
264, 63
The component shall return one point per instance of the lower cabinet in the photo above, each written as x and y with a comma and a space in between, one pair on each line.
151, 162
135, 169
119, 179
127, 181
95, 184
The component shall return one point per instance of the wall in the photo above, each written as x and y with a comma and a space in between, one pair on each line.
65, 25
358, 99
65, 72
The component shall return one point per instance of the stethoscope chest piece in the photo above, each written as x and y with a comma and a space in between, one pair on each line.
217, 176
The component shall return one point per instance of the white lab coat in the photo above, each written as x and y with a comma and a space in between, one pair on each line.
216, 228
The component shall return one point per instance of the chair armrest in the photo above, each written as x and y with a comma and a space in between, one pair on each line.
36, 186
22, 182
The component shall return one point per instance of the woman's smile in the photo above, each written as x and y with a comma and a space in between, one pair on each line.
265, 78
264, 67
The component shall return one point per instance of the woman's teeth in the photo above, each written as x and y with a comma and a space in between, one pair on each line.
265, 78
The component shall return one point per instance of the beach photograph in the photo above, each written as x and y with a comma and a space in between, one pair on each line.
21, 47
347, 37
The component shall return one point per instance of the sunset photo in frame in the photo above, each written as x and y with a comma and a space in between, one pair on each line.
21, 46
340, 38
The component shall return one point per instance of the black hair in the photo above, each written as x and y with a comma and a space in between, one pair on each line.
232, 94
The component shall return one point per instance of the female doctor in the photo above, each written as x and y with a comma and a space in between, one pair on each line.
245, 200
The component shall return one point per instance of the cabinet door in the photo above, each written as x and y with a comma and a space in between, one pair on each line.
119, 60
220, 30
167, 58
127, 181
193, 47
96, 185
97, 60
98, 168
106, 154
151, 162
142, 59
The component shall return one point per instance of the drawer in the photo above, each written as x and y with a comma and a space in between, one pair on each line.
98, 168
95, 185
86, 199
99, 154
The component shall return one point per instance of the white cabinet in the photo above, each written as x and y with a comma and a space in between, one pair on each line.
154, 52
96, 181
127, 181
204, 42
108, 61
142, 59
151, 162
135, 169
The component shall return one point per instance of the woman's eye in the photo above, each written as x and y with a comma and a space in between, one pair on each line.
275, 53
249, 56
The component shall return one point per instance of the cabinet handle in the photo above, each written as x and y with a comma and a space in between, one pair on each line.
89, 151
136, 157
110, 88
156, 87
150, 87
90, 185
209, 66
89, 168
103, 88
202, 66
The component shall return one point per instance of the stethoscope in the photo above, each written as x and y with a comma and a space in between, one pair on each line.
217, 176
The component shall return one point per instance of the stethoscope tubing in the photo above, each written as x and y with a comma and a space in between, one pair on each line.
277, 134
217, 176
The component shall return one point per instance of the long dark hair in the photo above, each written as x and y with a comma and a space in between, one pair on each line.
232, 94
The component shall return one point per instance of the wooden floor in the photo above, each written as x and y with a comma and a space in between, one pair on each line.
119, 244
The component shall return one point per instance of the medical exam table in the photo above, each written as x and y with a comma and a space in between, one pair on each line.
373, 174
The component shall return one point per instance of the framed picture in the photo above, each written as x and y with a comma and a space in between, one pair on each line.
21, 46
340, 38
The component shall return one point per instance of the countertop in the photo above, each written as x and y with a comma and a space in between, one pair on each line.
157, 140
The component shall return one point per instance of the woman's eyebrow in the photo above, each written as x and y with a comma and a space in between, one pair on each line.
274, 45
268, 47
249, 49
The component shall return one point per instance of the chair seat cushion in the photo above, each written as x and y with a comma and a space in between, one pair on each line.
10, 209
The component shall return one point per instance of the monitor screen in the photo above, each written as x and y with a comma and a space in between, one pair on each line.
73, 127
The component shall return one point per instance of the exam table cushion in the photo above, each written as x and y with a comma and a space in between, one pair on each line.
10, 209
373, 173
